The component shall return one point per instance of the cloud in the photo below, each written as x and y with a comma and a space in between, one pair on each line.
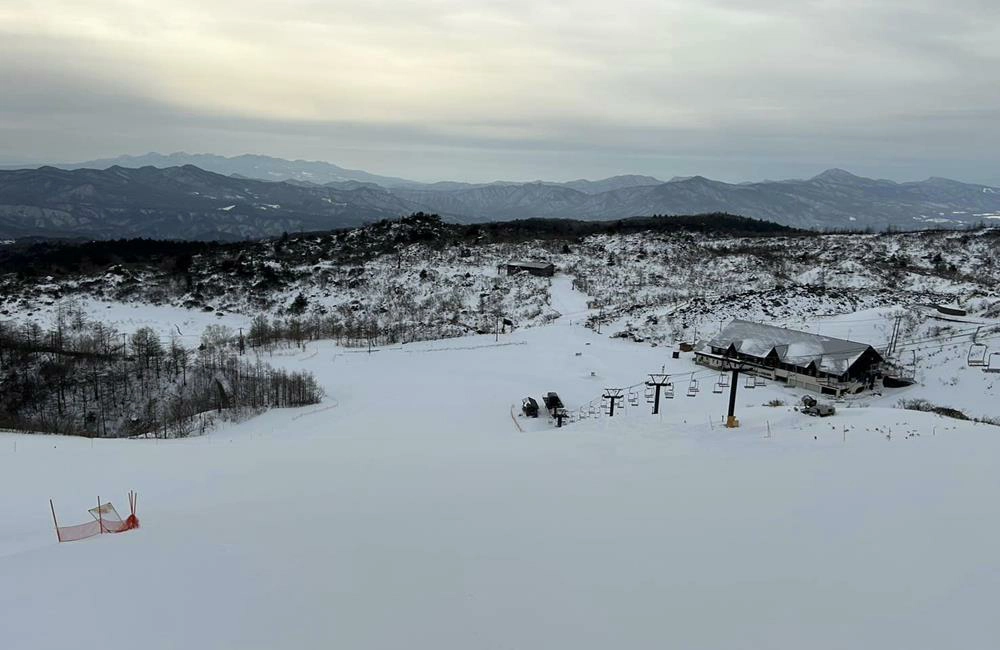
671, 86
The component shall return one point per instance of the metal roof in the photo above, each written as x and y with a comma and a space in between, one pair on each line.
531, 265
792, 346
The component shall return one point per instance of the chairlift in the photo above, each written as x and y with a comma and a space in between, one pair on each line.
633, 398
724, 380
692, 388
993, 363
759, 381
650, 394
977, 355
717, 388
668, 391
750, 382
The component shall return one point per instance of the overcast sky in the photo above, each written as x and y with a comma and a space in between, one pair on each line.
519, 89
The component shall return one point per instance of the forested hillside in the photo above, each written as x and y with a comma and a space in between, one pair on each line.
82, 377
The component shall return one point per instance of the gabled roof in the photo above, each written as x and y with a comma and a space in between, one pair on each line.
793, 347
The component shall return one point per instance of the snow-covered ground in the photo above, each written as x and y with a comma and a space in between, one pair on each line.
165, 320
411, 510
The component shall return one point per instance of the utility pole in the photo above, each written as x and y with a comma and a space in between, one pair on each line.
658, 381
614, 395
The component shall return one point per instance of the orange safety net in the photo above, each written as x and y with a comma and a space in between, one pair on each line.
106, 520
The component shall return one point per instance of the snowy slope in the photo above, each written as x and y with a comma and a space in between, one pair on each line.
659, 287
408, 510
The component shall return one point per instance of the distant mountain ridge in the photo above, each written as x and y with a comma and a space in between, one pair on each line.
176, 203
252, 196
267, 168
834, 199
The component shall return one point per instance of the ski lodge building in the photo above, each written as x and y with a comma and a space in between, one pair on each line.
811, 361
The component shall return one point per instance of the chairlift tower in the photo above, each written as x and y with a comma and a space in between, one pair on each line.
614, 395
657, 381
735, 367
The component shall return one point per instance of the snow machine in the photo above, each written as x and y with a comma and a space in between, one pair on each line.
552, 403
812, 407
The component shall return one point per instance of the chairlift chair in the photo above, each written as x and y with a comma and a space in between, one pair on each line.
977, 355
633, 398
717, 388
668, 391
759, 381
724, 380
650, 394
993, 362
692, 388
750, 382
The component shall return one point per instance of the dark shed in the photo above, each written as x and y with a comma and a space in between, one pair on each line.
544, 269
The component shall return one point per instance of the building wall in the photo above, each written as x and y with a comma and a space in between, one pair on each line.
792, 378
547, 272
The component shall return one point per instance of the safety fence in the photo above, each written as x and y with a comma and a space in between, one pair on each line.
106, 520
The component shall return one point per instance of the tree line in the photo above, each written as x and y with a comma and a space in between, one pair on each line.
81, 377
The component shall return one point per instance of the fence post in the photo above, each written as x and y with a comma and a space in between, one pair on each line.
54, 522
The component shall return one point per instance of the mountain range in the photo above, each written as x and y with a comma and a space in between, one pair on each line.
204, 196
177, 203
